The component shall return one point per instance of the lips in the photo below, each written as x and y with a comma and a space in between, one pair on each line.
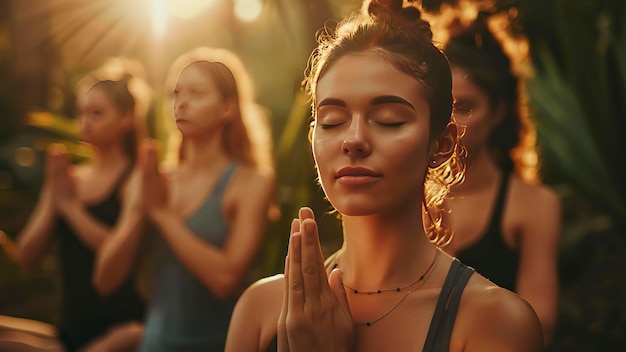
356, 175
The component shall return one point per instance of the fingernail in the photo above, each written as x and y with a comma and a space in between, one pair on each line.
295, 225
309, 226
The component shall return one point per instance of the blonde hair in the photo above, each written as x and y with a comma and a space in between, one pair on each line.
437, 185
247, 136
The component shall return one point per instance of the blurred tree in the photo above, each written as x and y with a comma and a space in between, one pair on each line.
8, 108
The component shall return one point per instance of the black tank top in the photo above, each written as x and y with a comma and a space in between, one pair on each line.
490, 256
440, 330
84, 313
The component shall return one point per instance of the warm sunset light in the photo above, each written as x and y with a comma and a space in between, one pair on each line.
158, 18
248, 10
181, 9
187, 9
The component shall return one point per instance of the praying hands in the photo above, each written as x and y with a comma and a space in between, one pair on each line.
315, 315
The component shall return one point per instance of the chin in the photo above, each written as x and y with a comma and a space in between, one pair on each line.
356, 208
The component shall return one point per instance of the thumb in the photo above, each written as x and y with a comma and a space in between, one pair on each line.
335, 281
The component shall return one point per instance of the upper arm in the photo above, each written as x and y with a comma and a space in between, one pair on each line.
255, 318
36, 237
248, 218
537, 279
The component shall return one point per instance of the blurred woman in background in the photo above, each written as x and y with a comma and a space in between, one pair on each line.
506, 224
80, 204
208, 211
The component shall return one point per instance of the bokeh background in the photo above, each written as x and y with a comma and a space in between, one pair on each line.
577, 97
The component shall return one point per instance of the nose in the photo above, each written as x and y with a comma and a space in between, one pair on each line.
356, 142
179, 103
84, 122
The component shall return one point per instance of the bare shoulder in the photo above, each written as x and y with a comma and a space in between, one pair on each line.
254, 322
533, 193
264, 295
507, 321
253, 177
251, 185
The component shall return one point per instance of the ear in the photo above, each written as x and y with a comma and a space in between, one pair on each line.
443, 148
128, 121
230, 107
499, 113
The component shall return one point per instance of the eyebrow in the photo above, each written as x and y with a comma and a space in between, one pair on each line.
391, 99
331, 101
385, 99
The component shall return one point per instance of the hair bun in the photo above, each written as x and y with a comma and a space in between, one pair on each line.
375, 6
411, 13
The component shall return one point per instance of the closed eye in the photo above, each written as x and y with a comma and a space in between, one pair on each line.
390, 124
326, 126
329, 116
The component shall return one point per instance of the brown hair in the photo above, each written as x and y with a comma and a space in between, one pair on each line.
402, 37
121, 80
480, 53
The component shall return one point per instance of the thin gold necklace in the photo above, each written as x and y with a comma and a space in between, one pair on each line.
399, 289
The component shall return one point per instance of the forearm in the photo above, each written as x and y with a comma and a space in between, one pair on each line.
117, 255
89, 230
36, 236
211, 265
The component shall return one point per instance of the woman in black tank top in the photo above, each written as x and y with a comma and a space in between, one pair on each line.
77, 208
507, 224
384, 145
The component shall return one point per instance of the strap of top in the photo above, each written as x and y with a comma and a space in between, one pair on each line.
438, 338
223, 181
215, 195
114, 195
498, 208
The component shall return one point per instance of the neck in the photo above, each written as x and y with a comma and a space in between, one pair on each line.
384, 250
204, 153
106, 156
482, 172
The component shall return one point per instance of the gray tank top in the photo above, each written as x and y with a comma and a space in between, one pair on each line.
438, 338
183, 316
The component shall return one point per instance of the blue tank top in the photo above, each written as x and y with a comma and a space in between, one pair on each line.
85, 314
184, 316
490, 255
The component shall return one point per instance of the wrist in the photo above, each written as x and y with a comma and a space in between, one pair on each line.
68, 207
158, 214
